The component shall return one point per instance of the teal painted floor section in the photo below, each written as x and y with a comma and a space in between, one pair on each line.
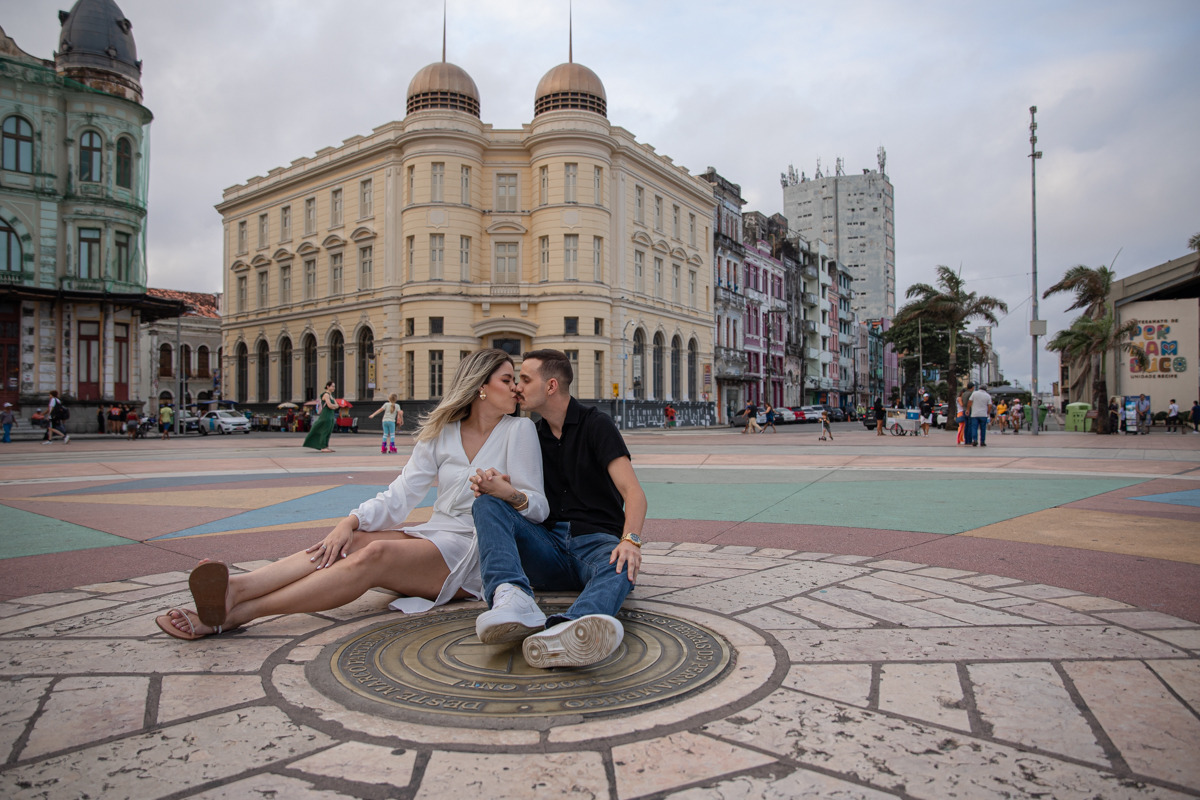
23, 533
925, 505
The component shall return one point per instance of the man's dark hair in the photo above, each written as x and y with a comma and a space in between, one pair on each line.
555, 364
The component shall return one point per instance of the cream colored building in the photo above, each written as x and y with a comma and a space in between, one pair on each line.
380, 262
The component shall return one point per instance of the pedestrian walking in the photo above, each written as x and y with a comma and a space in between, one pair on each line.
166, 417
1172, 416
1196, 417
1143, 415
669, 415
58, 415
926, 409
880, 416
131, 423
318, 437
752, 425
960, 417
391, 415
7, 418
101, 419
979, 409
770, 419
1114, 416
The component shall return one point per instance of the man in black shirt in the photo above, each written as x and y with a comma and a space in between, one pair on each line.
590, 543
926, 414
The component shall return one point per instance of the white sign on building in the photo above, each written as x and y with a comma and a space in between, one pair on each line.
1169, 333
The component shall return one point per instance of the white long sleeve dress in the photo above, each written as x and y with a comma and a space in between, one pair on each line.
511, 448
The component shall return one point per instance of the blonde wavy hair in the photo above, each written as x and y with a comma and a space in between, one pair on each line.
473, 372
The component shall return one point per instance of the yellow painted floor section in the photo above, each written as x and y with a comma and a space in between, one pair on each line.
1152, 537
199, 498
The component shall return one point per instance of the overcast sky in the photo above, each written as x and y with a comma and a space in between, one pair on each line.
239, 87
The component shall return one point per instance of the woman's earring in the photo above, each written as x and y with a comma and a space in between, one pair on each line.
482, 394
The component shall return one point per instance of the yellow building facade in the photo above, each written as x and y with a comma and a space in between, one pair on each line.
380, 263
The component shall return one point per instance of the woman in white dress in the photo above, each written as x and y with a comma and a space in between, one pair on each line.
427, 564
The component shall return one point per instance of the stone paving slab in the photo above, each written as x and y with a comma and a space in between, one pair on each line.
868, 679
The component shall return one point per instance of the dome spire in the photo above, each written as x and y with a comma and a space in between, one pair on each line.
570, 32
444, 4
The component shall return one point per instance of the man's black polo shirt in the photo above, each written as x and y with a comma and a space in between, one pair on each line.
578, 486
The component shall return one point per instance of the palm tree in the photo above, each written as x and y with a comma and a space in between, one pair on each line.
1087, 342
1194, 242
951, 305
1091, 288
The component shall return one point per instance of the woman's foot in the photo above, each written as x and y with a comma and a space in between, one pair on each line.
325, 450
209, 584
185, 624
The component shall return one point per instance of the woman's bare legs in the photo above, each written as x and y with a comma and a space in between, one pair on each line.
293, 585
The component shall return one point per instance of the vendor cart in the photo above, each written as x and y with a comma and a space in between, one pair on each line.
903, 421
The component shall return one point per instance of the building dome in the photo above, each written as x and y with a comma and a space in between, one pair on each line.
96, 36
443, 85
570, 86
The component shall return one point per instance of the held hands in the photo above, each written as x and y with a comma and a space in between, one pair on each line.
493, 482
627, 555
336, 543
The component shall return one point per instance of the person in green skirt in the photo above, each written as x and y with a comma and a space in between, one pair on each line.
318, 437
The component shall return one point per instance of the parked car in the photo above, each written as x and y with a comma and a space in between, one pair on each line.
739, 419
785, 416
798, 412
835, 414
191, 423
812, 413
223, 422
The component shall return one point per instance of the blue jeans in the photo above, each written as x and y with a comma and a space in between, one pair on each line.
7, 432
977, 429
514, 550
389, 430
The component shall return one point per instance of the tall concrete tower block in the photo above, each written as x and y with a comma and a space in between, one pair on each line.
855, 216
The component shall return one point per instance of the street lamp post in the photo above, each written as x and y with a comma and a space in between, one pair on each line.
1037, 327
624, 384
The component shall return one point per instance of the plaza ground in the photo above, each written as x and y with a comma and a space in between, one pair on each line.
908, 618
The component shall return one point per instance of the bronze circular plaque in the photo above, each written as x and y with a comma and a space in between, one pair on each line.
434, 664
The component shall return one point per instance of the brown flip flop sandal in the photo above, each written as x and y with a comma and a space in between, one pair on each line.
209, 583
164, 622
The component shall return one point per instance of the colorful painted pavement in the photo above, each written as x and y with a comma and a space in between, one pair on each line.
902, 618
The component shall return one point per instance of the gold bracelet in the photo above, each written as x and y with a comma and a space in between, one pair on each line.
524, 504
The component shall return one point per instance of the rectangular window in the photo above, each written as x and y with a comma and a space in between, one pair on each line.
464, 258
570, 326
506, 192
366, 267
639, 205
437, 326
598, 259
692, 288
658, 277
573, 357
598, 326
262, 230
410, 326
89, 253
692, 229
675, 221
598, 187
658, 213
412, 185
675, 283
437, 182
285, 284
124, 256
409, 252
436, 365
466, 186
570, 180
285, 224
506, 263
263, 299
437, 255
310, 279
335, 274
335, 208
598, 374
544, 257
543, 186
121, 357
366, 198
89, 355
410, 382
241, 293
241, 237
571, 257
310, 216
639, 271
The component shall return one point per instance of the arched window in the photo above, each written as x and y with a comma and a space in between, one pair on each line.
639, 365
90, 151
165, 361
692, 368
10, 248
185, 360
310, 367
263, 372
285, 371
337, 361
18, 145
243, 373
202, 362
658, 355
676, 368
124, 163
366, 365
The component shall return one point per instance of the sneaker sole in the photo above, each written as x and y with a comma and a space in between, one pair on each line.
504, 632
589, 640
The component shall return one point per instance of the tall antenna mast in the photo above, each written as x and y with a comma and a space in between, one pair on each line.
570, 32
444, 4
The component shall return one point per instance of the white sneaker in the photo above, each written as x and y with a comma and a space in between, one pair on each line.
574, 643
513, 616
